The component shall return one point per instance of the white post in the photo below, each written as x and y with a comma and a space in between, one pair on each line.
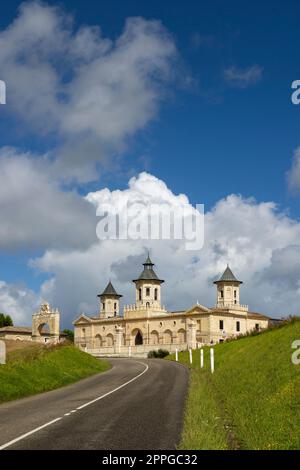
212, 360
176, 355
191, 357
129, 351
201, 358
2, 352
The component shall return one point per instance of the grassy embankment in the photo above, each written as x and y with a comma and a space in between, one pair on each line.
34, 368
252, 401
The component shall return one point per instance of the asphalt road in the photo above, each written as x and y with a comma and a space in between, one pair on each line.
137, 404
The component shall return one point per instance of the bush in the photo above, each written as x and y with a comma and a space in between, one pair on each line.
161, 353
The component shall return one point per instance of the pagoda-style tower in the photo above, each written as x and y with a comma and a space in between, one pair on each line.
147, 287
228, 290
109, 302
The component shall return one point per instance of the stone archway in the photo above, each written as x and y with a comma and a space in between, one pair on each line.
46, 316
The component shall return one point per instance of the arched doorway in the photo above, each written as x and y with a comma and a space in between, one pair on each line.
154, 338
138, 338
44, 332
98, 341
167, 337
181, 336
109, 340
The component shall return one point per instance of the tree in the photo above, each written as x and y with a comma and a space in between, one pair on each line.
5, 320
69, 333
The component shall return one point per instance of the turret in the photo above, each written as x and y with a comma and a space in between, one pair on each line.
147, 287
109, 302
228, 289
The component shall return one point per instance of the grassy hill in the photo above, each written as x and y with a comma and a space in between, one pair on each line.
33, 368
252, 401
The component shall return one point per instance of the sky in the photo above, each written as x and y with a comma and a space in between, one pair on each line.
155, 102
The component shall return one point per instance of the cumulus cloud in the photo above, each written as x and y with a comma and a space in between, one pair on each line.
35, 212
243, 77
293, 175
255, 238
18, 301
92, 92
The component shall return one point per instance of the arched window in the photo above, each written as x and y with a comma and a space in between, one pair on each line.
140, 294
147, 291
155, 293
103, 305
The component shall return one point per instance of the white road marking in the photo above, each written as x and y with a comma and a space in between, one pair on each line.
116, 389
29, 433
10, 443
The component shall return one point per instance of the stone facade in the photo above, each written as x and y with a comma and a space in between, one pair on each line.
147, 325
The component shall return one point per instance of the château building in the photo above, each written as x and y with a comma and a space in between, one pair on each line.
146, 325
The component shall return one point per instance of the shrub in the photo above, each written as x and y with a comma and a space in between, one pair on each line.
158, 354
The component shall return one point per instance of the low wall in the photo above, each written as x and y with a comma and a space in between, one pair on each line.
133, 351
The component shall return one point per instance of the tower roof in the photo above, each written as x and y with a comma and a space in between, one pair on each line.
228, 276
148, 273
109, 290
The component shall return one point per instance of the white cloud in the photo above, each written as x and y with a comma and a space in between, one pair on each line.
35, 212
18, 302
243, 77
255, 238
293, 175
94, 93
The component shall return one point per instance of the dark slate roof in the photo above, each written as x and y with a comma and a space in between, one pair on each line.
110, 290
228, 276
148, 273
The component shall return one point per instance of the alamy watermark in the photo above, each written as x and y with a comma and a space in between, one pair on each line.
142, 221
2, 92
296, 354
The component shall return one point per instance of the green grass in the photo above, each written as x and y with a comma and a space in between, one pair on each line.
38, 369
252, 401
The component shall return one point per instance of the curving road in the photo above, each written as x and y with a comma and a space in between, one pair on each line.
137, 404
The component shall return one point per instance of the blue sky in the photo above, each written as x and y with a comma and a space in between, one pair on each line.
211, 136
241, 140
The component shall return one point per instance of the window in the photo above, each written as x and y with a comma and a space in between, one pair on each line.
221, 324
238, 326
140, 294
103, 305
222, 294
257, 326
115, 305
155, 294
235, 294
147, 291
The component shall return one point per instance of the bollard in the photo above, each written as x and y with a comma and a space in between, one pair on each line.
212, 360
2, 352
191, 357
176, 355
201, 358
